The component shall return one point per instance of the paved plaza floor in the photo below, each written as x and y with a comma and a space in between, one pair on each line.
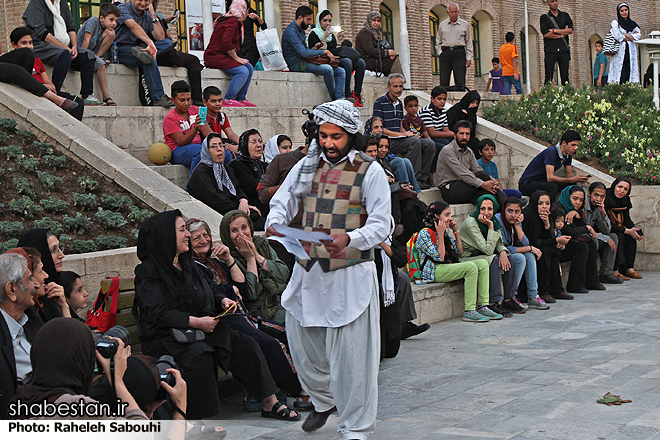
533, 376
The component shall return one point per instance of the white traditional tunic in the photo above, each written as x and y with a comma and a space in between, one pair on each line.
616, 63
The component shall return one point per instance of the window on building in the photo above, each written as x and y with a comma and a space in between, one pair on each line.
84, 9
476, 47
434, 21
386, 23
315, 9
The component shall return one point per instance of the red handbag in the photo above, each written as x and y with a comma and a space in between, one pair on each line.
99, 319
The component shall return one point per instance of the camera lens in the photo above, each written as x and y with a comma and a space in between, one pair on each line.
107, 346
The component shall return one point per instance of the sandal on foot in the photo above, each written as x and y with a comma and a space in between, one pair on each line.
280, 411
109, 101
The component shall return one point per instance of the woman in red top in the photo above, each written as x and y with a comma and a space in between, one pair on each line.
221, 54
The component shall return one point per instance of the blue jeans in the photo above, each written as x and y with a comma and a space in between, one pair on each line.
335, 78
403, 172
151, 72
188, 155
508, 81
240, 83
360, 67
525, 263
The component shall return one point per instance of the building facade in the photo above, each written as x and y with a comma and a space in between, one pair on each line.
491, 20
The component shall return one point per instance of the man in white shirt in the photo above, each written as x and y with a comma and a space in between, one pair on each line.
332, 299
18, 324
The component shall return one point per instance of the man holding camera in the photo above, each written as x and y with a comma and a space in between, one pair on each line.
19, 323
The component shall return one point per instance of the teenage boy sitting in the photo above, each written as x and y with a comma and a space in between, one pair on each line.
218, 121
97, 35
435, 119
182, 127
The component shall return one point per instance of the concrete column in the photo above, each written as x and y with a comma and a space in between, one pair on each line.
323, 5
269, 13
207, 20
404, 49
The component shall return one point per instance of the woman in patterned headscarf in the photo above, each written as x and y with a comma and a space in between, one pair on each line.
367, 44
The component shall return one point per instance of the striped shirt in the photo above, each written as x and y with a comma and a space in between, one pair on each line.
433, 118
389, 111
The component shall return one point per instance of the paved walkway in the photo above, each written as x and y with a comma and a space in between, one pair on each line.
534, 376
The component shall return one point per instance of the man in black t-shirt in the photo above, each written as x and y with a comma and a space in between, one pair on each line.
556, 26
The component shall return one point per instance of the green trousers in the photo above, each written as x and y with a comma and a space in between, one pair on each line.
475, 273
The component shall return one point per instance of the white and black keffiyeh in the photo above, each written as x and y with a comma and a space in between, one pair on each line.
340, 113
219, 171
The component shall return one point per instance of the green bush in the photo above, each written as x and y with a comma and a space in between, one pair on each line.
47, 223
13, 229
135, 233
49, 181
3, 137
77, 224
619, 124
29, 164
84, 200
24, 186
25, 134
8, 124
110, 242
138, 215
24, 206
9, 244
87, 183
55, 161
115, 202
43, 147
12, 151
83, 246
109, 219
64, 238
54, 205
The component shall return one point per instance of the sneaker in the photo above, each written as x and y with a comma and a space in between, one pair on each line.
537, 303
488, 313
231, 103
247, 103
521, 304
497, 308
164, 101
142, 55
92, 100
513, 307
474, 316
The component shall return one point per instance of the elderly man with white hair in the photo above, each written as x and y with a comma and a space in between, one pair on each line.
454, 44
332, 299
19, 323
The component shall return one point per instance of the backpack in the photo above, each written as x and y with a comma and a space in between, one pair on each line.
414, 266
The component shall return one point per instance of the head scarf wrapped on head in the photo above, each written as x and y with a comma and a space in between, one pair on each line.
626, 23
565, 198
318, 30
259, 242
475, 215
377, 33
258, 165
219, 171
271, 149
531, 211
238, 9
219, 275
616, 206
340, 113
38, 239
62, 357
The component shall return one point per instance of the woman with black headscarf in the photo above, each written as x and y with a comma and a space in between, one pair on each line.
53, 304
249, 166
618, 206
466, 110
177, 311
624, 66
62, 373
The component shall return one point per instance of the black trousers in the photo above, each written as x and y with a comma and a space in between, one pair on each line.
16, 68
175, 58
548, 272
82, 64
625, 253
452, 61
551, 188
584, 264
563, 59
461, 192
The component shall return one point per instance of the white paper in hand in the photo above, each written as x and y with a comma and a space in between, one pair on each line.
292, 246
299, 234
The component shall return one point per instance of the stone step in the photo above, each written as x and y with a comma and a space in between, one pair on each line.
438, 301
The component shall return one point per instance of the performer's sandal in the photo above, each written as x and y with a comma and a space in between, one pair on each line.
280, 411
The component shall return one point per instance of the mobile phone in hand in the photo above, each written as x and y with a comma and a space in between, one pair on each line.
202, 115
640, 232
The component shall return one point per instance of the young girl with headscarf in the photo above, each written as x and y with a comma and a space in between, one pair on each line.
624, 66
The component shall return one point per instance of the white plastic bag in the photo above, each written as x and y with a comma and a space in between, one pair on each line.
268, 43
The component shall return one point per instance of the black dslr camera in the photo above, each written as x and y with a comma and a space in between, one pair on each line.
309, 128
164, 362
106, 344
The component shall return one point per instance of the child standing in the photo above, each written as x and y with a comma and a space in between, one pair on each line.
510, 72
182, 127
97, 35
440, 252
411, 122
495, 78
600, 65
